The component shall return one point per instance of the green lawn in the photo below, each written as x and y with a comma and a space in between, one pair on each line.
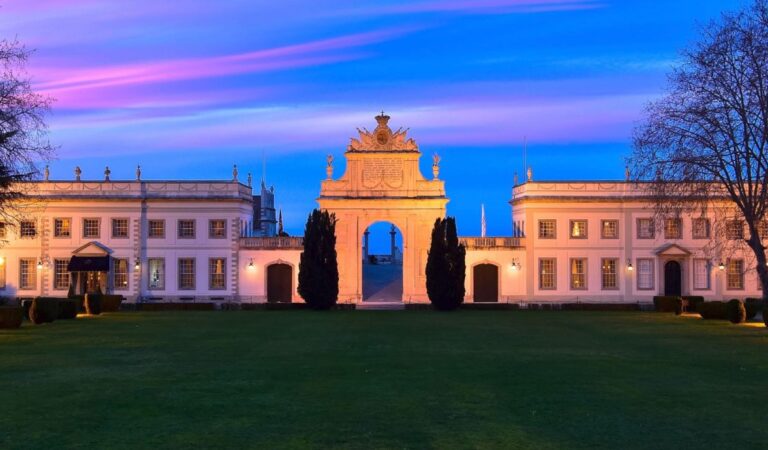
402, 379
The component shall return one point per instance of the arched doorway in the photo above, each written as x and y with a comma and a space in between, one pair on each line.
382, 263
673, 278
279, 280
485, 284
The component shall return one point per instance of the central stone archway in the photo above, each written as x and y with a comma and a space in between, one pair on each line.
383, 183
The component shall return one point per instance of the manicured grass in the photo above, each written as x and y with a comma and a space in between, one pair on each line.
408, 379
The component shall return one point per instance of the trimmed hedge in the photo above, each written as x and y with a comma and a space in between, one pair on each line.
11, 316
680, 306
753, 306
93, 304
44, 310
736, 311
693, 302
665, 303
713, 310
67, 308
598, 307
111, 303
165, 306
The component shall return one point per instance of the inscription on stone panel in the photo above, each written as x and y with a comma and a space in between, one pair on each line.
382, 171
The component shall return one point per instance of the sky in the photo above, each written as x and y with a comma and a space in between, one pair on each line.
189, 88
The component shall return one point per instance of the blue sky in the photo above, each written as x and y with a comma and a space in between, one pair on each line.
186, 89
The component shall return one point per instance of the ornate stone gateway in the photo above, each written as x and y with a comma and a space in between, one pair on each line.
383, 182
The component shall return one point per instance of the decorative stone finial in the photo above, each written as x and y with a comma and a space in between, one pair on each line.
234, 173
329, 167
250, 179
46, 173
107, 172
138, 173
78, 172
435, 166
530, 174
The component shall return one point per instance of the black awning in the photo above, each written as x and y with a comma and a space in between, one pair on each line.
88, 264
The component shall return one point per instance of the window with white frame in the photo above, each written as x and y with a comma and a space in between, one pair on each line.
645, 274
62, 227
60, 274
547, 228
735, 274
27, 274
120, 228
120, 274
645, 229
217, 228
156, 273
156, 228
673, 228
186, 228
609, 273
547, 273
609, 229
186, 274
27, 229
91, 228
734, 229
578, 229
701, 270
700, 228
578, 273
217, 273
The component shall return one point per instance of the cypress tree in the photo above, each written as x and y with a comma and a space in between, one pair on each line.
318, 269
446, 266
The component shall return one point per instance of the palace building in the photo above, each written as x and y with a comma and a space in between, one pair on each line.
215, 241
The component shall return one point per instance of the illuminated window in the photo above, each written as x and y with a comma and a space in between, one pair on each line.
186, 229
27, 273
187, 274
91, 228
547, 273
645, 229
217, 273
735, 274
120, 274
578, 229
120, 228
609, 229
701, 268
2, 230
62, 228
217, 228
547, 228
2, 274
27, 229
645, 274
578, 273
734, 229
156, 228
156, 273
700, 228
60, 274
673, 229
609, 273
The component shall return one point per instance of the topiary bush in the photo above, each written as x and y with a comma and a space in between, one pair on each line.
665, 303
93, 304
11, 316
713, 310
693, 302
44, 310
67, 308
446, 266
736, 311
111, 303
318, 268
680, 306
753, 306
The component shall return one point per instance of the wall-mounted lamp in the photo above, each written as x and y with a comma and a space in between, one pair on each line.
2, 260
39, 264
721, 266
137, 265
629, 266
515, 265
251, 265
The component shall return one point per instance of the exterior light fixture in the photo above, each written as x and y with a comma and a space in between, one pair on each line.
39, 264
251, 265
137, 265
721, 266
515, 265
2, 260
629, 266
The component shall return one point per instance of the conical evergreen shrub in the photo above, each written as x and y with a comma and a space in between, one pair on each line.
446, 266
318, 268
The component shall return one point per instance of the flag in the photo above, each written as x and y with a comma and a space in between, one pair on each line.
482, 220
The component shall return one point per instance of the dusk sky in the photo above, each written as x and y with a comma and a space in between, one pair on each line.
186, 89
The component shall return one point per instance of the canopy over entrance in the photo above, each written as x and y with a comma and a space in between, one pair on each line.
89, 267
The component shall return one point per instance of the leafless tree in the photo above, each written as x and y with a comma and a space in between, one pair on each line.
703, 145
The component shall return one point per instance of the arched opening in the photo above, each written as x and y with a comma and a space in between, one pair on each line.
382, 263
279, 280
672, 278
485, 285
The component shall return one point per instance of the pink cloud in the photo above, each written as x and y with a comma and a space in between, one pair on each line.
480, 6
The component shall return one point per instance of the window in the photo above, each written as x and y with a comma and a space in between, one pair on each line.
734, 229
27, 229
217, 228
645, 274
2, 230
186, 273
156, 273
578, 229
62, 228
645, 229
547, 273
217, 273
673, 229
609, 229
27, 274
578, 273
186, 229
547, 228
60, 274
157, 228
701, 269
120, 274
700, 228
609, 273
119, 228
762, 229
91, 228
735, 275
2, 274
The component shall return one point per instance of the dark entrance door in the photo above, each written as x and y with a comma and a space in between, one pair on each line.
279, 278
672, 278
486, 283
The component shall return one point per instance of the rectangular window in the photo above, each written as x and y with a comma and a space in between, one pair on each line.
609, 229
186, 274
609, 273
120, 274
547, 273
62, 228
186, 228
700, 228
578, 229
701, 269
120, 228
578, 273
2, 274
645, 275
217, 228
60, 274
27, 229
156, 228
27, 274
547, 229
91, 228
735, 274
217, 273
734, 229
762, 229
645, 229
673, 228
2, 230
156, 273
